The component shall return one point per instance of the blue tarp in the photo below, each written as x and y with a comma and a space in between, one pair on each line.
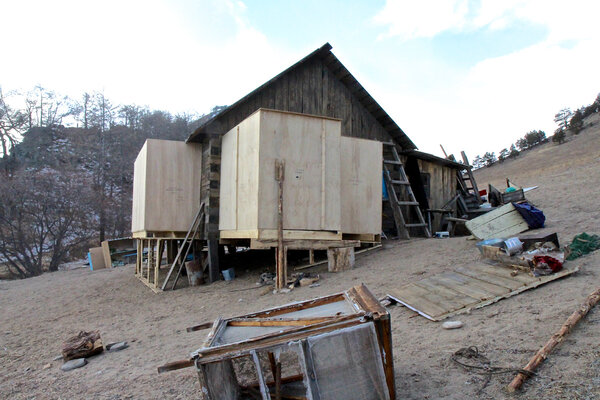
535, 218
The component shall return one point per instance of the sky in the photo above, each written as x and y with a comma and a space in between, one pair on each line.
470, 75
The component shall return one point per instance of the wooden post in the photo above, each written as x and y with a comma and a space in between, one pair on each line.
311, 256
281, 273
555, 340
213, 260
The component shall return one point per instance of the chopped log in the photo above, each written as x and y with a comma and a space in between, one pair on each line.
555, 340
340, 259
85, 344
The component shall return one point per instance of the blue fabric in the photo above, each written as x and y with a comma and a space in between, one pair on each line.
535, 218
384, 191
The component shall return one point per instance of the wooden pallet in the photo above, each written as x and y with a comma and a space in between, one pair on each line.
444, 295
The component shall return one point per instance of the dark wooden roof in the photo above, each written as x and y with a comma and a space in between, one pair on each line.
213, 126
435, 159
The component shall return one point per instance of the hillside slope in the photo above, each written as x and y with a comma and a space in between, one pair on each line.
568, 177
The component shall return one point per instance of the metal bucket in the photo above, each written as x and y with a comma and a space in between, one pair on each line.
228, 274
513, 246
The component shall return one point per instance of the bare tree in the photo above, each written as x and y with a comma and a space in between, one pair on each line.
42, 217
12, 123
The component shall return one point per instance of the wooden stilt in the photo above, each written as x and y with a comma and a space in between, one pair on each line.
281, 267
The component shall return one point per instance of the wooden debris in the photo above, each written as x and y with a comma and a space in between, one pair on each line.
85, 344
556, 339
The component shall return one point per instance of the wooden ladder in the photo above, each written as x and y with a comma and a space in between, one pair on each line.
466, 180
184, 248
393, 186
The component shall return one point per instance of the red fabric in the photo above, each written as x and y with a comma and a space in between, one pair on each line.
552, 262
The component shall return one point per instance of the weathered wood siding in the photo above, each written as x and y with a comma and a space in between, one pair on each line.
442, 185
310, 89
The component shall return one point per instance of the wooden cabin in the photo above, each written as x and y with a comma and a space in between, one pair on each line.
320, 84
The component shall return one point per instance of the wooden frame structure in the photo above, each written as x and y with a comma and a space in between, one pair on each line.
342, 342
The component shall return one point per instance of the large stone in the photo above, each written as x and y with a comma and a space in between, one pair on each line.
73, 364
117, 346
452, 325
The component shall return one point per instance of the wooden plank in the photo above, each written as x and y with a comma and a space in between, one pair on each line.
271, 234
505, 272
450, 297
304, 244
490, 278
106, 254
469, 286
412, 297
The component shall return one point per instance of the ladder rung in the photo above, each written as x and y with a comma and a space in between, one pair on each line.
400, 182
408, 203
392, 162
414, 225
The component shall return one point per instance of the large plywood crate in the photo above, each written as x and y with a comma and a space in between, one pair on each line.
360, 184
166, 187
310, 147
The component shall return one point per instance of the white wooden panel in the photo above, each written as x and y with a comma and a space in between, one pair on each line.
248, 174
361, 164
228, 185
170, 190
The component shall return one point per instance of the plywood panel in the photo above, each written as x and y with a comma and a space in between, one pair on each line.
360, 184
139, 190
96, 258
167, 177
228, 186
310, 148
500, 223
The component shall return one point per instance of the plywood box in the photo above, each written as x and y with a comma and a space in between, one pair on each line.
361, 180
310, 147
166, 186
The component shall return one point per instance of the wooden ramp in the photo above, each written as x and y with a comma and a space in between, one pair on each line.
456, 292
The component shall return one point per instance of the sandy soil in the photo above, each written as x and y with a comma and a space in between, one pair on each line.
38, 314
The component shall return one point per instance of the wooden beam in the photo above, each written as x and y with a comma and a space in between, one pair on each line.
281, 273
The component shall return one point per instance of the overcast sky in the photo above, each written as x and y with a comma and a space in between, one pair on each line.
472, 75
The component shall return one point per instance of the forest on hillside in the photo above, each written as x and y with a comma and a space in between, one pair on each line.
67, 173
567, 121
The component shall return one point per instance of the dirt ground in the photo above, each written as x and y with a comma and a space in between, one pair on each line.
38, 314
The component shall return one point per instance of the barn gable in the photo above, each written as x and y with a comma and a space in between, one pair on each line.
319, 84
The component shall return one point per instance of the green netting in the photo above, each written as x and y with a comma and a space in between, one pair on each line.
583, 244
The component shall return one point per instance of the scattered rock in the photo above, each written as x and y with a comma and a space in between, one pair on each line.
117, 346
47, 366
284, 290
57, 358
266, 290
27, 369
73, 364
452, 325
308, 281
